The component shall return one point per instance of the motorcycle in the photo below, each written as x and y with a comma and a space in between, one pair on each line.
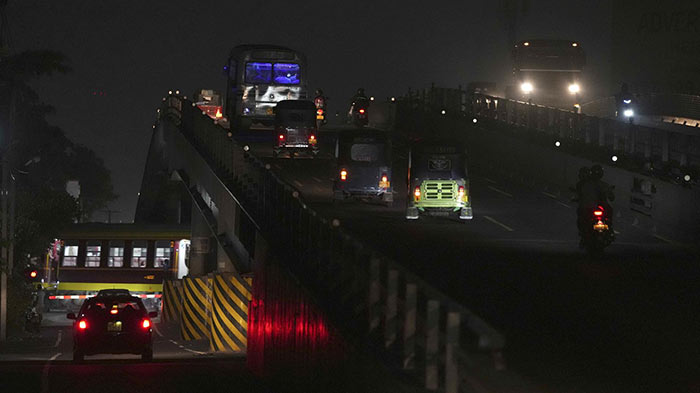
627, 110
320, 103
597, 231
359, 115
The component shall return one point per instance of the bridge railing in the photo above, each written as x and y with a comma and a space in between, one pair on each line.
368, 296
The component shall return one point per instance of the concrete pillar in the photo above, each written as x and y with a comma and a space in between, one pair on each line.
432, 344
374, 295
391, 309
665, 150
451, 350
201, 247
409, 326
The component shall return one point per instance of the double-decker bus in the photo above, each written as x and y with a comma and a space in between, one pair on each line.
258, 77
548, 72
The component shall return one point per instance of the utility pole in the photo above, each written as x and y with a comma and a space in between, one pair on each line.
5, 140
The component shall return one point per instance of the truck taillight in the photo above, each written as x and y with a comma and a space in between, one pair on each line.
343, 175
416, 194
281, 137
362, 111
312, 139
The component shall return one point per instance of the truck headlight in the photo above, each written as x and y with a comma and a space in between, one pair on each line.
574, 88
526, 87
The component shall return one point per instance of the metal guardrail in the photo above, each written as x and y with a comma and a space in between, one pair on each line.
679, 150
369, 296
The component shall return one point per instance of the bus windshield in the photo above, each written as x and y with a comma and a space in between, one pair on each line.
286, 74
278, 73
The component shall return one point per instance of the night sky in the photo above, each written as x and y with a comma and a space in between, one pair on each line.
127, 54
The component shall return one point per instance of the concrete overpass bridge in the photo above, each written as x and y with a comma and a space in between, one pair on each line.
435, 300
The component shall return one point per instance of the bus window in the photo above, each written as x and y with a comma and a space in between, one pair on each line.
258, 72
286, 73
439, 164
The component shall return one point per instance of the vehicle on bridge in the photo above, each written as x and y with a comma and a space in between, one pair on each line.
548, 72
438, 182
258, 77
363, 158
112, 322
296, 128
209, 102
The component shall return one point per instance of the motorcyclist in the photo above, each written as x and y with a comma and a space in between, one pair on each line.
359, 100
623, 99
320, 100
593, 191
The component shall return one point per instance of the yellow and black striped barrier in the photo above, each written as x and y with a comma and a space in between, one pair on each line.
172, 300
229, 327
196, 308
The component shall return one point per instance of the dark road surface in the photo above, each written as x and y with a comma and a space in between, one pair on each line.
626, 321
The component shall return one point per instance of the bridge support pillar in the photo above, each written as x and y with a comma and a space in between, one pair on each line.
201, 247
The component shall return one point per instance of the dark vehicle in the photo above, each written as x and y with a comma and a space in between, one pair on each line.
295, 126
363, 166
438, 182
112, 322
598, 231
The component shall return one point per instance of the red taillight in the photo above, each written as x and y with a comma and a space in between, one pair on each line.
113, 311
416, 193
281, 136
598, 213
218, 114
343, 175
362, 111
82, 325
146, 324
460, 190
385, 178
33, 274
319, 112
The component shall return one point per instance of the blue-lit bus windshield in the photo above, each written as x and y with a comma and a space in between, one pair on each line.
286, 74
258, 72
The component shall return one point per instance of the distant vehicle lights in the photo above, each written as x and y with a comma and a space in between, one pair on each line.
574, 88
526, 87
628, 112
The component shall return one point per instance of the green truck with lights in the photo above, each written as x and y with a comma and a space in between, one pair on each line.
438, 182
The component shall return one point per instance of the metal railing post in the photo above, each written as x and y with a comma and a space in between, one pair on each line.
432, 344
451, 349
391, 308
409, 326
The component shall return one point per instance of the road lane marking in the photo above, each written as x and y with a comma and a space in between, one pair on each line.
500, 191
564, 204
616, 231
489, 180
45, 373
187, 349
549, 194
504, 226
58, 339
664, 239
298, 183
316, 179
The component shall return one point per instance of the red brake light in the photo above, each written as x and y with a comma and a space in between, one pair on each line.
319, 111
82, 325
113, 311
362, 111
33, 274
146, 324
281, 136
460, 190
598, 213
343, 175
385, 178
312, 137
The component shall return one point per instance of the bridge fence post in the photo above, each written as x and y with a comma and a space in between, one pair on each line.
432, 344
374, 295
451, 349
409, 326
391, 307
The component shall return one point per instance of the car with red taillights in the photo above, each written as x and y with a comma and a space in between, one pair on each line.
112, 322
296, 128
